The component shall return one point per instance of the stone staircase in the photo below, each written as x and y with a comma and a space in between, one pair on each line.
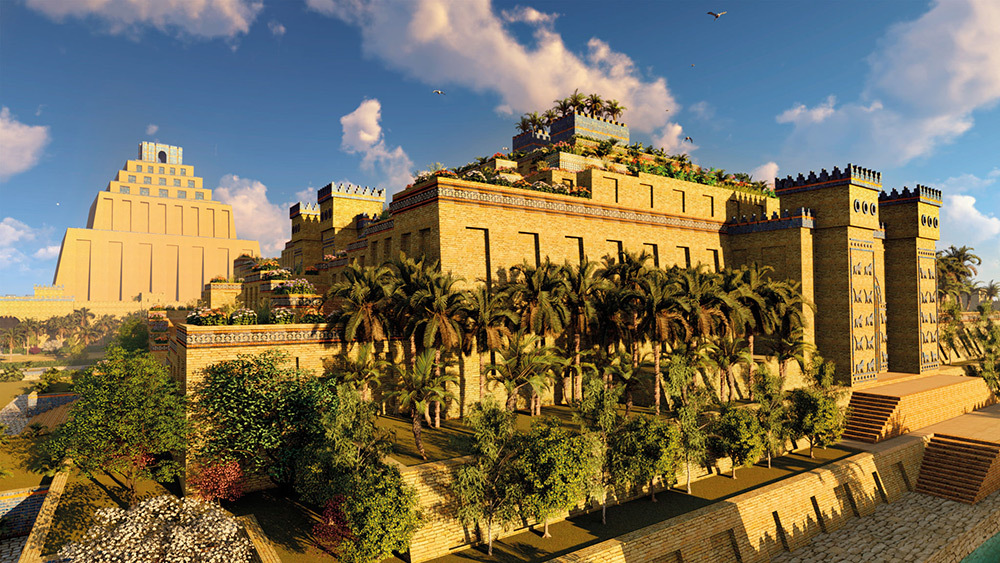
960, 469
869, 414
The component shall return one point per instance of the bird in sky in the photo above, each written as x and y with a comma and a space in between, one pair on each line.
692, 66
666, 110
439, 92
717, 16
689, 139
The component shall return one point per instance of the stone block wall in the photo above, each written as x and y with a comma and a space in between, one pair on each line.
18, 509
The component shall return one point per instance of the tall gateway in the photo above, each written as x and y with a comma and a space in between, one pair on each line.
153, 234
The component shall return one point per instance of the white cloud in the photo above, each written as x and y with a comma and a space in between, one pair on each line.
47, 252
195, 18
926, 80
766, 172
13, 234
20, 145
256, 217
702, 110
671, 139
964, 183
276, 28
443, 42
152, 128
363, 135
962, 223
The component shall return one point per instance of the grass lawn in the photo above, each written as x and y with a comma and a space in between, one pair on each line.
20, 459
83, 497
286, 522
11, 389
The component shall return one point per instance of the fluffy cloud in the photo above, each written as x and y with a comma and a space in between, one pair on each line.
276, 28
443, 42
363, 135
47, 252
152, 128
195, 18
21, 145
964, 223
926, 80
256, 217
965, 183
766, 172
671, 139
13, 234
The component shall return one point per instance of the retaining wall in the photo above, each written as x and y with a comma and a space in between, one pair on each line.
18, 509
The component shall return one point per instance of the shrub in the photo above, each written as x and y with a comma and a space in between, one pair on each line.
49, 379
278, 274
218, 480
333, 529
219, 279
243, 316
282, 316
312, 317
11, 372
294, 287
163, 528
203, 316
265, 264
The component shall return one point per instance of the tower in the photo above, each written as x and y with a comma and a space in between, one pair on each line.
154, 231
911, 230
848, 266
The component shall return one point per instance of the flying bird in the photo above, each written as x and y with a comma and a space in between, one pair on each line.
689, 139
692, 66
439, 92
717, 16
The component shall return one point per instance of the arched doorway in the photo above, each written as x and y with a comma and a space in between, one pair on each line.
162, 156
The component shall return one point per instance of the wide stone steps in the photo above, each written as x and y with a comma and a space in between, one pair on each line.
869, 414
960, 469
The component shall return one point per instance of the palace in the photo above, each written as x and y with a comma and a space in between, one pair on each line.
154, 236
863, 256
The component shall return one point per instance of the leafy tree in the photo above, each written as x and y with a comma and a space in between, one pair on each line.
133, 334
554, 467
642, 449
737, 433
693, 435
381, 511
772, 413
11, 372
416, 387
128, 420
598, 415
164, 528
524, 363
816, 416
257, 411
488, 487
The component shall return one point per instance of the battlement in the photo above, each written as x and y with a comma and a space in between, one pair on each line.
329, 190
308, 210
796, 218
852, 173
922, 194
530, 139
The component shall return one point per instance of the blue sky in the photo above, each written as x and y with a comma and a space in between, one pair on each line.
273, 99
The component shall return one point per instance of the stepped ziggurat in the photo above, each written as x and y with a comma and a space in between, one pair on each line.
154, 236
865, 257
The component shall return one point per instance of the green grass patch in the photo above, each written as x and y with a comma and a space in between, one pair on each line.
22, 460
11, 389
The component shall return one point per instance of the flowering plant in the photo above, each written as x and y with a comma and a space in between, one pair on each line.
294, 287
243, 317
282, 315
279, 274
203, 316
312, 316
219, 279
329, 257
266, 264
221, 480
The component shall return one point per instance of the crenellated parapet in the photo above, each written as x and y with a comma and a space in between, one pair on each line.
530, 139
348, 190
852, 174
922, 194
308, 211
796, 218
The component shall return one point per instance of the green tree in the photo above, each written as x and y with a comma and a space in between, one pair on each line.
693, 435
597, 414
488, 487
487, 320
524, 363
363, 300
772, 412
737, 433
554, 467
133, 334
438, 309
628, 376
641, 450
815, 416
663, 323
127, 421
381, 511
416, 387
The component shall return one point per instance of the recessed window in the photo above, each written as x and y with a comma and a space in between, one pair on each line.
184, 172
161, 170
181, 194
190, 183
123, 189
857, 205
935, 222
163, 181
200, 195
163, 193
864, 207
173, 170
147, 180
131, 179
923, 220
143, 191
177, 183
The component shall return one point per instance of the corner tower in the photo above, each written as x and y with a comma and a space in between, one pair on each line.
848, 266
911, 231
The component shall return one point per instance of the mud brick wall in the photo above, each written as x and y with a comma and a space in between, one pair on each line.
18, 509
923, 409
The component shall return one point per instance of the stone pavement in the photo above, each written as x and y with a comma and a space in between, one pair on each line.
15, 415
983, 425
911, 529
10, 549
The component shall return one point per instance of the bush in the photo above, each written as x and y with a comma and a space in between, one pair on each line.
49, 379
294, 287
282, 316
218, 480
133, 335
164, 528
312, 317
11, 372
243, 317
279, 274
203, 316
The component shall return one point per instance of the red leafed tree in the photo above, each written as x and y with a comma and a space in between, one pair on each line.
334, 528
219, 480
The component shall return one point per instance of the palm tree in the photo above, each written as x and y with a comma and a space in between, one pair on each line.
549, 116
577, 101
487, 320
705, 303
524, 125
524, 362
614, 110
582, 287
363, 299
409, 276
415, 387
728, 353
438, 312
537, 122
625, 273
621, 369
564, 107
83, 315
990, 292
362, 372
663, 322
595, 105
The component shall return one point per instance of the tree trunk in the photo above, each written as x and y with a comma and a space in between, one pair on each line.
413, 351
652, 491
722, 385
489, 538
688, 463
769, 458
416, 434
437, 404
811, 448
656, 378
437, 414
545, 533
512, 401
734, 468
604, 509
750, 342
734, 389
578, 395
628, 402
482, 376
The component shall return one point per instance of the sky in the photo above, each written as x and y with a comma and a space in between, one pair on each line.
274, 99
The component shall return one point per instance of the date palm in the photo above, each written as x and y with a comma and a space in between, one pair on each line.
364, 299
564, 107
577, 101
614, 110
662, 322
362, 372
729, 353
524, 362
595, 105
488, 318
409, 276
415, 387
625, 273
705, 303
524, 125
438, 310
549, 117
582, 289
537, 122
83, 316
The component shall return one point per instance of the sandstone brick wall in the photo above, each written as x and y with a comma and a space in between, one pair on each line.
918, 410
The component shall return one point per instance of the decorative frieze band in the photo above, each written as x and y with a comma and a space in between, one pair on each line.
257, 337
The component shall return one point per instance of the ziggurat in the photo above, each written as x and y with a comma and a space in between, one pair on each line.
863, 256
